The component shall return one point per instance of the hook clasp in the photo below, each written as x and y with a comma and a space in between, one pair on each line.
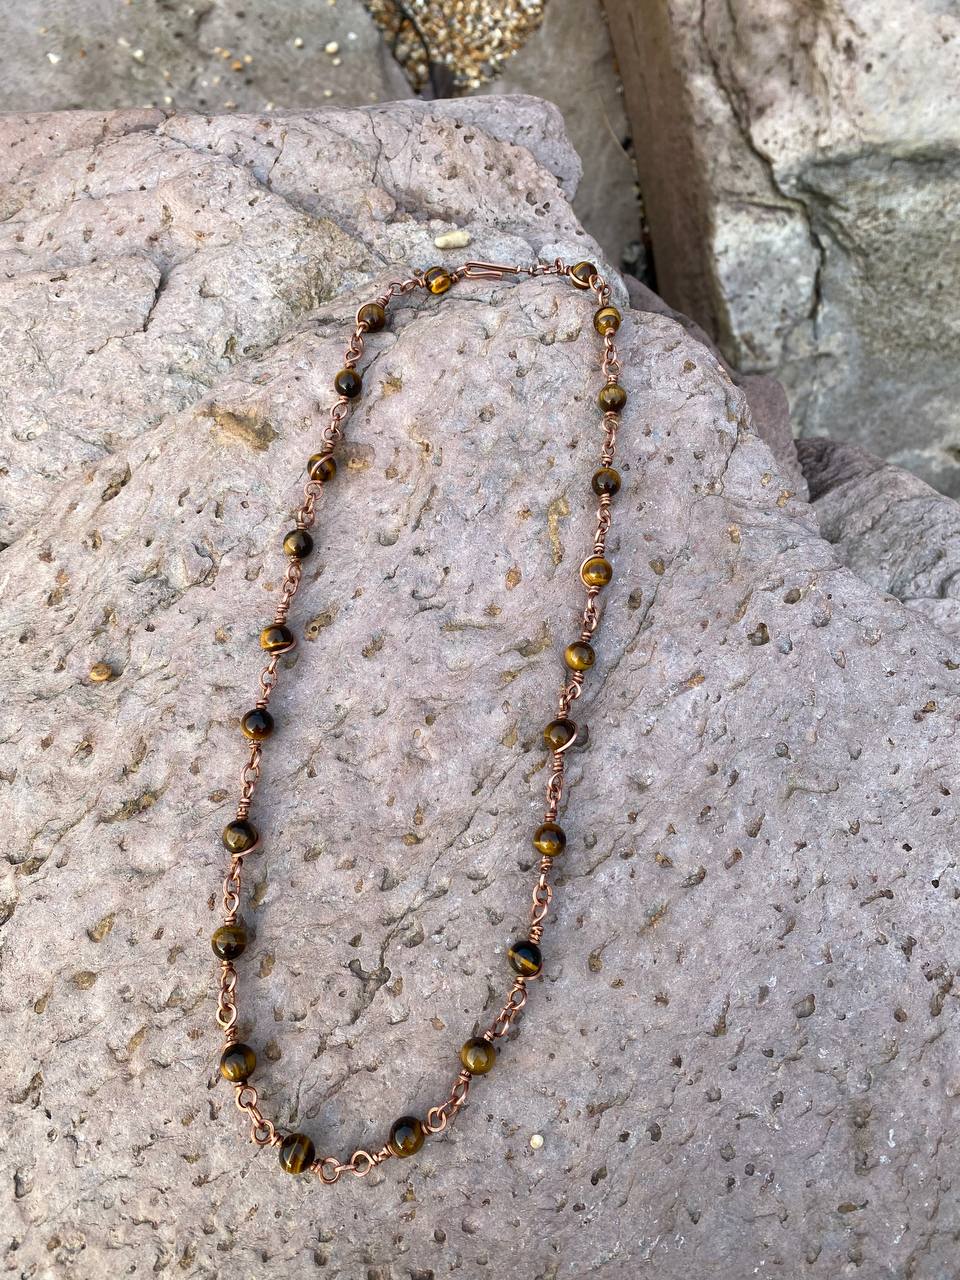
486, 271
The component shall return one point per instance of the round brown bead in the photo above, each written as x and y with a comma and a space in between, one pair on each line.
580, 274
478, 1056
579, 656
559, 734
348, 383
297, 1153
229, 941
606, 480
596, 571
321, 467
240, 835
237, 1063
257, 724
277, 638
406, 1136
438, 279
550, 840
612, 397
297, 544
607, 320
525, 958
372, 315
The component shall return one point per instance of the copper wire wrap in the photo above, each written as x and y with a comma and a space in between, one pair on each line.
328, 1168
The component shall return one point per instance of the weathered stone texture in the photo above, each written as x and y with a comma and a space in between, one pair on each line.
570, 62
210, 55
743, 1058
889, 527
801, 173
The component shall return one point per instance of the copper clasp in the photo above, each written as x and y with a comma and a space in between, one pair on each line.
486, 271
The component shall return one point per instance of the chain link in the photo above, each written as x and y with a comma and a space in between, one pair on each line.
329, 1169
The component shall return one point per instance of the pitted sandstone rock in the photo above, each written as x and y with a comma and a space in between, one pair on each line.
743, 1056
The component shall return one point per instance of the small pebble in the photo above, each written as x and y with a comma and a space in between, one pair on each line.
298, 42
53, 57
452, 239
536, 1141
101, 672
331, 47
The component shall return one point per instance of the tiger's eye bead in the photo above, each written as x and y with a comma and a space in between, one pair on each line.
321, 467
580, 274
596, 572
525, 958
550, 840
559, 734
237, 1063
240, 835
372, 315
229, 941
277, 638
607, 320
606, 480
477, 1056
438, 279
612, 397
406, 1136
579, 656
298, 544
257, 724
297, 1153
348, 383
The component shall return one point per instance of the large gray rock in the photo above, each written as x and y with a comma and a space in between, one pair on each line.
743, 1057
569, 61
801, 172
207, 56
889, 527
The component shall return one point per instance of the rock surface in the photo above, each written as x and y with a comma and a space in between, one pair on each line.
889, 527
743, 1057
569, 61
207, 56
801, 171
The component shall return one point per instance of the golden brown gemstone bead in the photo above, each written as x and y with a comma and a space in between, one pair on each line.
580, 274
525, 958
596, 572
321, 467
240, 835
237, 1063
606, 480
257, 724
298, 544
579, 656
438, 279
372, 315
550, 840
607, 320
297, 1153
559, 733
406, 1136
612, 397
229, 941
348, 383
277, 638
477, 1056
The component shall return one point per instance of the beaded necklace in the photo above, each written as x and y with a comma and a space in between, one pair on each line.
297, 1153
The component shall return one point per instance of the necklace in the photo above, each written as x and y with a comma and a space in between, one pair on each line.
478, 1055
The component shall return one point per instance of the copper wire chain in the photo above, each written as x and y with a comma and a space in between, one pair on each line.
329, 1169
